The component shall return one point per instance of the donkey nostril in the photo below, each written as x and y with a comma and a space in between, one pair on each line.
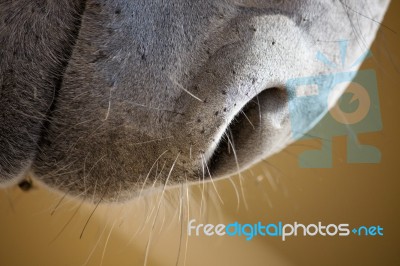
241, 143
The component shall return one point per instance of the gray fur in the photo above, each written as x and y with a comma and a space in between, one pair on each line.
36, 38
150, 83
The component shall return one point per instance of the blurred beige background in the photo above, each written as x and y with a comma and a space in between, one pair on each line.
36, 228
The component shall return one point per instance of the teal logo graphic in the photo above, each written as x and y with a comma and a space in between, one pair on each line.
281, 230
356, 111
